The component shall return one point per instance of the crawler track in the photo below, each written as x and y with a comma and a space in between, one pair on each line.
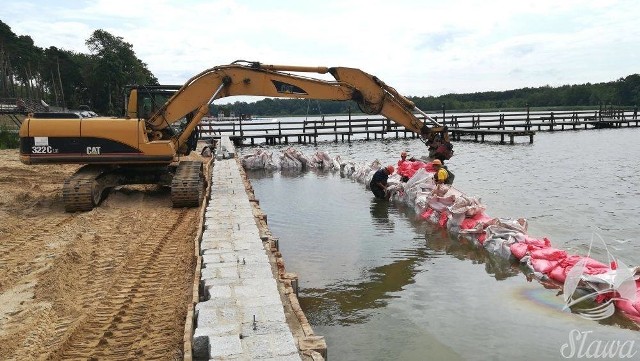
111, 283
81, 192
187, 186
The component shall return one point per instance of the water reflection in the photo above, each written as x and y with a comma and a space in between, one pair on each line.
379, 209
346, 303
438, 239
259, 173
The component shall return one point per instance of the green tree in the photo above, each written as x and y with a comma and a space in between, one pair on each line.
114, 65
628, 90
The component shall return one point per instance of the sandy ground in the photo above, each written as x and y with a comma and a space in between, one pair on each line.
113, 283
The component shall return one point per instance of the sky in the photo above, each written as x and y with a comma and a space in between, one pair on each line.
421, 48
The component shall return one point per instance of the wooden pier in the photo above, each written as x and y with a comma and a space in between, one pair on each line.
457, 133
461, 126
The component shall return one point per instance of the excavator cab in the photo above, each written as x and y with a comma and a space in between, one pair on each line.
142, 101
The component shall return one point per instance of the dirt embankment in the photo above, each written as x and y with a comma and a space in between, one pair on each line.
112, 283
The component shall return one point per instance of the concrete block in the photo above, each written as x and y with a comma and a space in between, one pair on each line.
284, 344
254, 256
295, 357
212, 270
224, 273
230, 256
257, 270
260, 301
255, 282
214, 304
200, 344
258, 346
249, 292
265, 328
269, 313
224, 346
210, 282
219, 316
218, 292
217, 257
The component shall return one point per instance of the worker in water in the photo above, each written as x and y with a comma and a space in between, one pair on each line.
378, 184
442, 173
403, 158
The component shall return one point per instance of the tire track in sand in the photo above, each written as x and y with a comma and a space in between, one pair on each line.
134, 319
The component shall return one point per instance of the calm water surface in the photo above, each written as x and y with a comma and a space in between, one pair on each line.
381, 284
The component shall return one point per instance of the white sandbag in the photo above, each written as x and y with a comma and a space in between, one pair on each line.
261, 159
293, 153
321, 160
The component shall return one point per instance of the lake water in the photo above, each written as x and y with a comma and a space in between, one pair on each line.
381, 284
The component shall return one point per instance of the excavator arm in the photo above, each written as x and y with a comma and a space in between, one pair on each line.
251, 78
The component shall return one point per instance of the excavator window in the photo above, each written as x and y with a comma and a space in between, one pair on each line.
150, 98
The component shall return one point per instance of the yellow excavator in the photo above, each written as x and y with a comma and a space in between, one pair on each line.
145, 146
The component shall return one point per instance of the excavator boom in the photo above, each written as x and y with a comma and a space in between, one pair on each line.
244, 78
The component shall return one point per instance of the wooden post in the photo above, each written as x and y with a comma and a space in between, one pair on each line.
366, 127
279, 132
315, 131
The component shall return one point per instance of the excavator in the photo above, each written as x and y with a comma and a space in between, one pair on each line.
147, 144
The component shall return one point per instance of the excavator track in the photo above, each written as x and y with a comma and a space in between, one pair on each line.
187, 186
82, 191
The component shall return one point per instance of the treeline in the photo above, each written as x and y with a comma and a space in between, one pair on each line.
619, 93
67, 79
286, 107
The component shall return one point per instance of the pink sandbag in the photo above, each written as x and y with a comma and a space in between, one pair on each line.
537, 243
529, 244
409, 168
426, 214
406, 170
592, 267
519, 249
550, 254
558, 274
443, 219
543, 265
631, 309
471, 222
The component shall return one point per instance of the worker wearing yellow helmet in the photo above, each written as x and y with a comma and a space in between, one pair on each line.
442, 175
